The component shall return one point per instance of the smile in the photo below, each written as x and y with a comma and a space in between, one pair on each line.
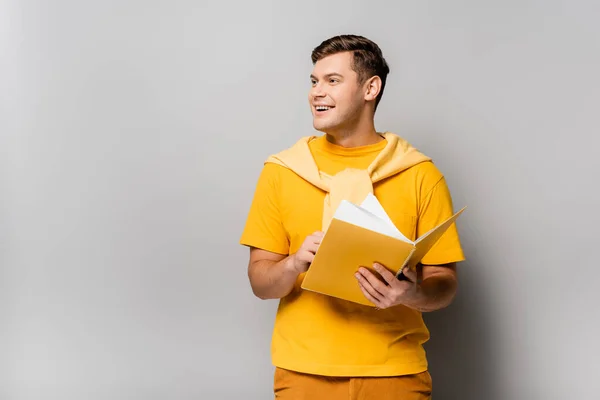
323, 108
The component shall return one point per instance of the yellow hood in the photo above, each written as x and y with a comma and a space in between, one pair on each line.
350, 184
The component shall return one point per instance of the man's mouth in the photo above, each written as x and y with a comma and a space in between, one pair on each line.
323, 108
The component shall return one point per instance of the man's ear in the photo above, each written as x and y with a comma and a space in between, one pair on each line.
372, 88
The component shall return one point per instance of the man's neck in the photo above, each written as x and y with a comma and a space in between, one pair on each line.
354, 138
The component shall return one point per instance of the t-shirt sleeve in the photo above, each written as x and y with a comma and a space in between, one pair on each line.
435, 208
264, 227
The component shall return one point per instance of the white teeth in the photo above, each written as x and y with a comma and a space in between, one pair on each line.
322, 108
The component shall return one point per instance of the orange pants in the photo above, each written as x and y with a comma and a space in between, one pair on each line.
290, 385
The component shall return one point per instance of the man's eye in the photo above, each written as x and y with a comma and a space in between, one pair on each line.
333, 81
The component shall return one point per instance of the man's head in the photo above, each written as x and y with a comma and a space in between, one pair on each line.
348, 79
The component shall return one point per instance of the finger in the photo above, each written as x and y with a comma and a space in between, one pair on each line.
410, 274
385, 274
314, 239
368, 287
312, 247
305, 256
317, 236
373, 281
367, 292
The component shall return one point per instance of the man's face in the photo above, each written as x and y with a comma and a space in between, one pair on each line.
336, 98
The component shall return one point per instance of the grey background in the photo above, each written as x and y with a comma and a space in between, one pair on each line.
132, 134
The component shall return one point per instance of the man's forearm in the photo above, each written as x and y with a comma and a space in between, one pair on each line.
434, 293
272, 279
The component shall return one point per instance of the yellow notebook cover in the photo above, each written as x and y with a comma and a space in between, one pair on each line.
361, 235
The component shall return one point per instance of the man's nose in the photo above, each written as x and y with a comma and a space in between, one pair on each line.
317, 90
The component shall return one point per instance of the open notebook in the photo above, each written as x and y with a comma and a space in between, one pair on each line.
361, 235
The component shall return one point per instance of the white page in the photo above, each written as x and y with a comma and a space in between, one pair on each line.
372, 204
359, 216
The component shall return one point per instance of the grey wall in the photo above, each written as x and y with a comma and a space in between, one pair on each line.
132, 134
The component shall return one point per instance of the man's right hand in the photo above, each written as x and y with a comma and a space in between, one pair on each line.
306, 253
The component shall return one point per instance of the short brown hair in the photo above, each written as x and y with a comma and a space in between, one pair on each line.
368, 58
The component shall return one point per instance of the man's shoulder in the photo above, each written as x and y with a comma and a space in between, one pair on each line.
276, 171
426, 171
422, 177
271, 171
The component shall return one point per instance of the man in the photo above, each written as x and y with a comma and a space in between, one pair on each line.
328, 348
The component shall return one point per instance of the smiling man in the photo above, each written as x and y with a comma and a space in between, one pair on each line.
323, 347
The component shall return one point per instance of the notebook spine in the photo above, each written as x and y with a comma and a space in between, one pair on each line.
406, 261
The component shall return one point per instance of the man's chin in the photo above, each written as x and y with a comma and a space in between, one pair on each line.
321, 127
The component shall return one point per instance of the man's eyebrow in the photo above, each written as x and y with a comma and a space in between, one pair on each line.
328, 75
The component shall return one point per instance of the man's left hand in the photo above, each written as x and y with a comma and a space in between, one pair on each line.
394, 293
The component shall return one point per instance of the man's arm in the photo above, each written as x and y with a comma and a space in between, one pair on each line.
436, 291
272, 275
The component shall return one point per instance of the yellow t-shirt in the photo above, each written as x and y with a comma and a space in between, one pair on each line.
318, 334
